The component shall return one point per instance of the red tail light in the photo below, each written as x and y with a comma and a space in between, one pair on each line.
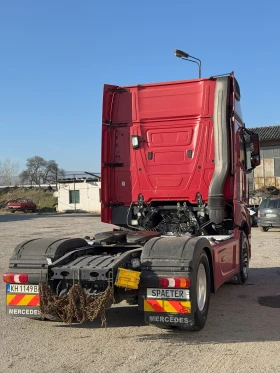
15, 278
163, 282
174, 282
259, 214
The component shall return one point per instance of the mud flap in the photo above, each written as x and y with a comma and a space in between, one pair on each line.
33, 257
170, 257
168, 312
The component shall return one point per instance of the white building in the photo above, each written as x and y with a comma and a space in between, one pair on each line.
80, 195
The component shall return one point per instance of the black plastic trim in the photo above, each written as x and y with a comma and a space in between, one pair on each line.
239, 119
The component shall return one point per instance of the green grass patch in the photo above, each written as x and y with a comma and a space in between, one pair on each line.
44, 200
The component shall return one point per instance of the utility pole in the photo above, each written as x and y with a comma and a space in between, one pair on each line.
74, 193
56, 172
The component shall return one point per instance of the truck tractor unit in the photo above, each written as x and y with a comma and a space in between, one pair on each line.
174, 171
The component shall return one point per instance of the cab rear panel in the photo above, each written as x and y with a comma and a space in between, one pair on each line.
175, 157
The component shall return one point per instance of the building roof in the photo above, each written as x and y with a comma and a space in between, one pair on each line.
267, 133
78, 180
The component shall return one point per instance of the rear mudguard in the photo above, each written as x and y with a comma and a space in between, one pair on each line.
171, 256
34, 256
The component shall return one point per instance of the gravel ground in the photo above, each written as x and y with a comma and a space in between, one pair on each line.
241, 336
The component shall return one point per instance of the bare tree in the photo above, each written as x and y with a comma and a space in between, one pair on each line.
39, 171
9, 172
53, 172
35, 168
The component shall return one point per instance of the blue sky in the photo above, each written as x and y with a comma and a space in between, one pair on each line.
56, 56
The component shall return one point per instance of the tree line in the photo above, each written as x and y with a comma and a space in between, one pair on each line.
38, 171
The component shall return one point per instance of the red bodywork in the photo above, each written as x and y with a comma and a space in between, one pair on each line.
175, 159
226, 259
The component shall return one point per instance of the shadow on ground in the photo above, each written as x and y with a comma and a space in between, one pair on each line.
9, 218
249, 313
117, 317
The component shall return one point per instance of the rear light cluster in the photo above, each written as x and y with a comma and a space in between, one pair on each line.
174, 282
259, 214
15, 278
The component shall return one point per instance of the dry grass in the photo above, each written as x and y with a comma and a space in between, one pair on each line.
43, 199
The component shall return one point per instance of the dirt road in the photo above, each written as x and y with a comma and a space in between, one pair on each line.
241, 336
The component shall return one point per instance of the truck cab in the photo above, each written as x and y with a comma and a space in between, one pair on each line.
174, 157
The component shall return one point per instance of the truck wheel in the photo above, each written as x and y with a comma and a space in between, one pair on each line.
243, 275
25, 210
202, 298
264, 229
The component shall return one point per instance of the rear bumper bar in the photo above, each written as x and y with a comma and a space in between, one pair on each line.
262, 222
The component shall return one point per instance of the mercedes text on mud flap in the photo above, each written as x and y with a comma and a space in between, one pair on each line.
174, 180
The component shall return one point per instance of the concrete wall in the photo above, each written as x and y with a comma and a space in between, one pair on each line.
268, 172
89, 196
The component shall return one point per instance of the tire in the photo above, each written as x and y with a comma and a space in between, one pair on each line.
25, 210
264, 229
251, 221
202, 296
242, 276
12, 211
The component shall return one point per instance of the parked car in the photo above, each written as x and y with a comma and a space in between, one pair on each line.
22, 204
269, 213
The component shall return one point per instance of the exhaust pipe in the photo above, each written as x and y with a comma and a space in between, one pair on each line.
216, 199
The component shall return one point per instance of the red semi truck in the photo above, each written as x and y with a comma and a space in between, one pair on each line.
174, 182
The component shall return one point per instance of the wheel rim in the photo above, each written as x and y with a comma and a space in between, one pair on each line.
201, 288
245, 258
